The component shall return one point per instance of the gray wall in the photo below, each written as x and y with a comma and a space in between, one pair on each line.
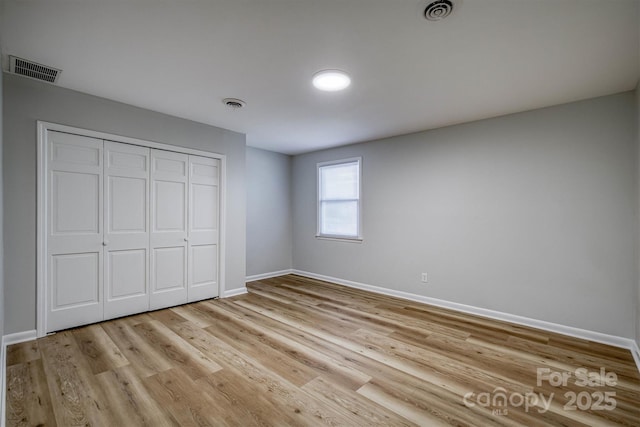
30, 101
526, 214
269, 232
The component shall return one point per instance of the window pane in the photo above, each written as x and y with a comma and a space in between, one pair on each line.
339, 181
339, 218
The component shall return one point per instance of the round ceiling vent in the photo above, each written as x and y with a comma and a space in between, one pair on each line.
234, 103
438, 10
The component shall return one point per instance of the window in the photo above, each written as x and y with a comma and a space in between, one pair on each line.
339, 190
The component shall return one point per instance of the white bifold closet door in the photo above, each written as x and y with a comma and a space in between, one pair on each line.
126, 238
74, 231
130, 229
204, 194
169, 192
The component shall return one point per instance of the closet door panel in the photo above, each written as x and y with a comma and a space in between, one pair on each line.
128, 198
126, 242
204, 266
74, 230
169, 209
169, 269
128, 275
76, 279
169, 196
204, 195
72, 215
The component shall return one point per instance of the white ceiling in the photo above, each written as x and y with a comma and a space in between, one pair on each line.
181, 57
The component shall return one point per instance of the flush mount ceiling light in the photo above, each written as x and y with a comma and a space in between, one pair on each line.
331, 80
438, 10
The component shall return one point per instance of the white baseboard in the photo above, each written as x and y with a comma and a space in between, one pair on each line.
233, 292
19, 337
635, 352
268, 275
600, 337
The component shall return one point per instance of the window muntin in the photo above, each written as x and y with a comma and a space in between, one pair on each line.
339, 210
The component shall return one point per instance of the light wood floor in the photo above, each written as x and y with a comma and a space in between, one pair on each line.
296, 351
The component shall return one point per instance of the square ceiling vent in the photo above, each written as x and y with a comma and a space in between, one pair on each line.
24, 67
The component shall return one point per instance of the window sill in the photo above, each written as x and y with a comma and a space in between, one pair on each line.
339, 238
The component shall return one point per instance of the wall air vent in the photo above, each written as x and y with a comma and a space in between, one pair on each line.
438, 10
23, 67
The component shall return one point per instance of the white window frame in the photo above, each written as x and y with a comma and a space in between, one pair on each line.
319, 234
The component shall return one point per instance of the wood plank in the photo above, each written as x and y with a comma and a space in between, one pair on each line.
360, 411
243, 401
290, 398
23, 352
28, 401
306, 353
240, 338
400, 407
98, 349
192, 314
176, 350
143, 356
179, 395
75, 396
130, 401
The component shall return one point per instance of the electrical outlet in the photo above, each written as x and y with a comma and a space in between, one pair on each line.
424, 278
